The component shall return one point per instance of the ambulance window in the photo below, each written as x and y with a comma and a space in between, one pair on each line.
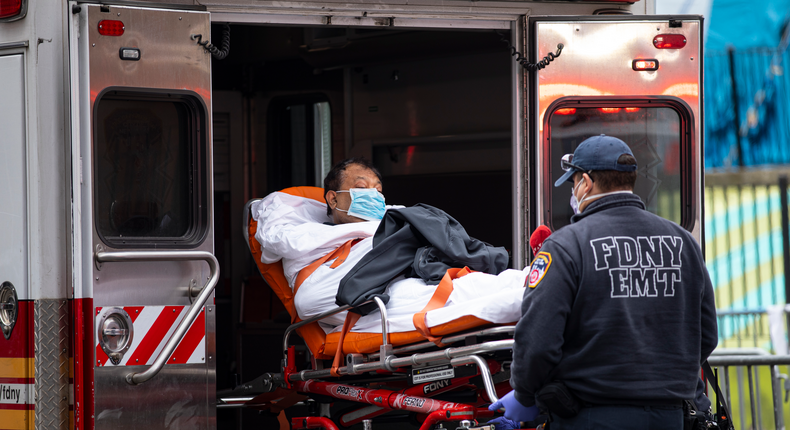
656, 134
149, 181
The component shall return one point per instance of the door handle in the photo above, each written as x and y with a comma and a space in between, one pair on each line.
129, 256
115, 332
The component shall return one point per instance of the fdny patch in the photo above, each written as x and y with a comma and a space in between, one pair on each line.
539, 267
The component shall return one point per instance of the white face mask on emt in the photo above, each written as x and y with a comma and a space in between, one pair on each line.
366, 203
575, 204
574, 201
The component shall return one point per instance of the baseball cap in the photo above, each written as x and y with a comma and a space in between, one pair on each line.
596, 153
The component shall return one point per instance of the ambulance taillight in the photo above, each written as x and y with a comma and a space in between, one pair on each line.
111, 27
12, 10
645, 65
669, 41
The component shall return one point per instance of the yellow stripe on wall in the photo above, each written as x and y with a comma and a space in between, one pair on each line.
17, 420
16, 368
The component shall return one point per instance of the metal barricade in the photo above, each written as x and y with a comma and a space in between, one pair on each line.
754, 387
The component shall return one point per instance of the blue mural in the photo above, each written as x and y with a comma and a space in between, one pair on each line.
747, 84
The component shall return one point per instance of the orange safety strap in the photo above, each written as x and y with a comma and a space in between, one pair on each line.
282, 419
351, 319
438, 300
339, 255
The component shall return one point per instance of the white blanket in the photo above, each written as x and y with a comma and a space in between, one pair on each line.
293, 229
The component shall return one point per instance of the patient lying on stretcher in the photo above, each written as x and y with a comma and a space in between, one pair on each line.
300, 231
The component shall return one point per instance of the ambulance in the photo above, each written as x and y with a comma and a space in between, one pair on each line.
133, 132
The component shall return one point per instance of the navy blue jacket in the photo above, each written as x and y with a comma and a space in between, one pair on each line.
619, 307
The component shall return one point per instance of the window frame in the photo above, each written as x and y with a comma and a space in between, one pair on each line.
199, 167
688, 171
275, 152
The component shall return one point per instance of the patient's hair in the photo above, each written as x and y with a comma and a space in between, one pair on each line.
336, 176
614, 180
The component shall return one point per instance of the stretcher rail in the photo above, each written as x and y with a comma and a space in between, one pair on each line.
233, 402
485, 373
435, 357
382, 308
509, 330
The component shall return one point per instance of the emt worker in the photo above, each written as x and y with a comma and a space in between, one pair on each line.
618, 312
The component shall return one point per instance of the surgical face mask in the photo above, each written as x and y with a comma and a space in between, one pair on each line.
574, 201
366, 203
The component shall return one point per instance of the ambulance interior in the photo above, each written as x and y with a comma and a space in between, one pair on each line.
431, 109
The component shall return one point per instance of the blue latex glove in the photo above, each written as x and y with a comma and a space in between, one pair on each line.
502, 423
514, 410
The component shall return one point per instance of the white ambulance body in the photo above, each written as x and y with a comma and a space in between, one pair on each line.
127, 153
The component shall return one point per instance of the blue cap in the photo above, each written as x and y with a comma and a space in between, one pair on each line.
598, 153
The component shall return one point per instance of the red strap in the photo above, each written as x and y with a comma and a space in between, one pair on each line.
339, 255
351, 319
438, 300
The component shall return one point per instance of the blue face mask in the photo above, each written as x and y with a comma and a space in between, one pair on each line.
366, 203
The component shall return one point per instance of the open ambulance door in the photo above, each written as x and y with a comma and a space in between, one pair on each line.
144, 270
638, 78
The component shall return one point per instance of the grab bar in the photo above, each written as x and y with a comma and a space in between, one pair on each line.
194, 309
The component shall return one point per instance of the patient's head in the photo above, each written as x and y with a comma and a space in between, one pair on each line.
350, 173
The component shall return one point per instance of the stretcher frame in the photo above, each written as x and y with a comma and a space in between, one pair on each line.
389, 361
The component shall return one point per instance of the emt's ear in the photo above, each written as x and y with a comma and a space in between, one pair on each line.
331, 199
588, 183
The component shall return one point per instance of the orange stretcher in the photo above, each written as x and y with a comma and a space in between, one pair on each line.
463, 355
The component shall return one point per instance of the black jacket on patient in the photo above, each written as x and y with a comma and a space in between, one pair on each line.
419, 242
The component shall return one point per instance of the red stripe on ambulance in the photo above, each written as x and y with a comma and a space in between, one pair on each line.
191, 340
155, 335
153, 326
133, 311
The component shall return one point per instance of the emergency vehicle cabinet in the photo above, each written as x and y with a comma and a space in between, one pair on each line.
128, 148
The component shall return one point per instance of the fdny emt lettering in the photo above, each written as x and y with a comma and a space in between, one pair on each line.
644, 266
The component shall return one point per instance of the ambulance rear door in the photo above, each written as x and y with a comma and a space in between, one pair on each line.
638, 78
143, 230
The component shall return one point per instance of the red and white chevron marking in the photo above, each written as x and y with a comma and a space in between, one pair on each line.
153, 327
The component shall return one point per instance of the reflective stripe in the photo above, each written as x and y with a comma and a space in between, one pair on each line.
17, 419
16, 367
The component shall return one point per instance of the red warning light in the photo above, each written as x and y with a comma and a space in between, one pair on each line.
609, 110
632, 110
644, 65
669, 41
108, 27
10, 8
566, 111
